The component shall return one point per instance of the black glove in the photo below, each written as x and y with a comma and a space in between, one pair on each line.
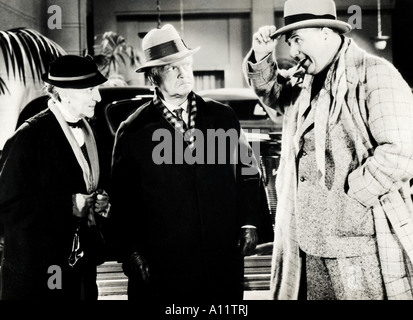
137, 266
248, 241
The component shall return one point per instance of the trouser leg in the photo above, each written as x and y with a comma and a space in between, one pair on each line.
319, 284
355, 278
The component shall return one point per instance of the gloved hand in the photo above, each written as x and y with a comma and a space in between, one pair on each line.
81, 204
102, 204
138, 266
248, 241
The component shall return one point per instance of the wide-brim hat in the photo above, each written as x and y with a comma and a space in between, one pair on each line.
163, 46
299, 14
75, 72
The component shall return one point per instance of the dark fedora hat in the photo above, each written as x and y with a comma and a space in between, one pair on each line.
71, 71
299, 14
163, 46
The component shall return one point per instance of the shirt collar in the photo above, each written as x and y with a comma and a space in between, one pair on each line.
172, 107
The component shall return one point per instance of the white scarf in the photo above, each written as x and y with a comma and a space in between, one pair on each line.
90, 174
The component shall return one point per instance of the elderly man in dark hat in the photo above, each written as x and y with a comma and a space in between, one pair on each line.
344, 224
183, 223
50, 203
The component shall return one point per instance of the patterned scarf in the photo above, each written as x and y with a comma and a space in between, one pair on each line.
327, 108
173, 120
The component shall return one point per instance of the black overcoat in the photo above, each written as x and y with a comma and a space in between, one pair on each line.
39, 174
185, 219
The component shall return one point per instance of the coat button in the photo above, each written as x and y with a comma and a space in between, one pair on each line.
304, 153
302, 179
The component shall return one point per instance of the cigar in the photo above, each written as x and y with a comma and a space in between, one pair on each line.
298, 72
301, 62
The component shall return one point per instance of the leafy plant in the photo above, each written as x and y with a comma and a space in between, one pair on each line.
19, 44
112, 51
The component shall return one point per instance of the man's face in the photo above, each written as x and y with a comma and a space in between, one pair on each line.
82, 101
310, 46
177, 79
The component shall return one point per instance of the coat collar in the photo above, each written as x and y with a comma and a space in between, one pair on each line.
185, 130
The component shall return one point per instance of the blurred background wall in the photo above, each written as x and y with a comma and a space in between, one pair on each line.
223, 29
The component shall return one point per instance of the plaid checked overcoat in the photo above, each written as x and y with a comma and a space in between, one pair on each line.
377, 112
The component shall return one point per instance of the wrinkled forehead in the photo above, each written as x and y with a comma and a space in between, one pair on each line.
184, 61
300, 32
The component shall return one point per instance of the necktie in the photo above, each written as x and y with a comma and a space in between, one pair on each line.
178, 113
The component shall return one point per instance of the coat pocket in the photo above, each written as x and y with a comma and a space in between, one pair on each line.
354, 219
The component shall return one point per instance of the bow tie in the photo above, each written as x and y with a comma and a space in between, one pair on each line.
78, 124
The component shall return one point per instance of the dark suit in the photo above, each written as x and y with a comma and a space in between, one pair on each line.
184, 219
39, 175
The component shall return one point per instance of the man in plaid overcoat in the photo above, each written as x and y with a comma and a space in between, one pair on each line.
344, 224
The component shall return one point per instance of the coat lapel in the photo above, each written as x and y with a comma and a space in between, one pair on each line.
175, 123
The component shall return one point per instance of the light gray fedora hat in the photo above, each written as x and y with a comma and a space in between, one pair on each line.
299, 14
163, 46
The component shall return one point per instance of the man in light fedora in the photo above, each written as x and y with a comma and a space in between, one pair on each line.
344, 223
50, 201
182, 227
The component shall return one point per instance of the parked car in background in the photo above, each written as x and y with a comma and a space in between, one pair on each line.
251, 112
116, 105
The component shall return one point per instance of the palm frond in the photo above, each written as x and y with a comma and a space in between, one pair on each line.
3, 87
22, 44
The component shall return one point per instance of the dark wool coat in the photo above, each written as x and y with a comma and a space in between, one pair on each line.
39, 174
185, 219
